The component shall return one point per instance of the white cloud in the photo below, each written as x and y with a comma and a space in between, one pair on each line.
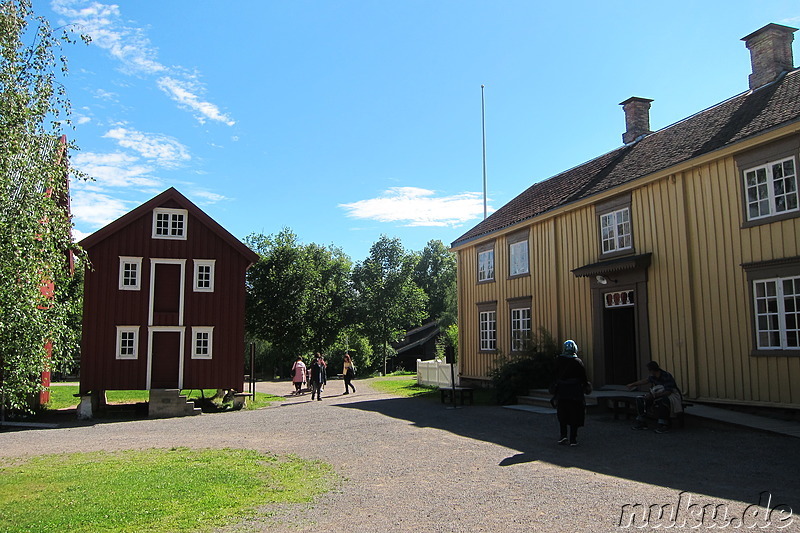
105, 95
116, 169
95, 209
84, 119
164, 150
208, 197
413, 206
186, 94
137, 55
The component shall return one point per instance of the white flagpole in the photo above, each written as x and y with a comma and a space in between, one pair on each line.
483, 131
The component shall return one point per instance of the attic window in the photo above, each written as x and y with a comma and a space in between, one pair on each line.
169, 223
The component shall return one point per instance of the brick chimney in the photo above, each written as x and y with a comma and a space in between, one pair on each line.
637, 118
770, 53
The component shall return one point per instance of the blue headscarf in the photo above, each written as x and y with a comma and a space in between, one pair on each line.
570, 349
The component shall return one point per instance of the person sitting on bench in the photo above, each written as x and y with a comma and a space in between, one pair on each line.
663, 397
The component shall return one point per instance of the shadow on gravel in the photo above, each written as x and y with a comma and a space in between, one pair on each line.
717, 460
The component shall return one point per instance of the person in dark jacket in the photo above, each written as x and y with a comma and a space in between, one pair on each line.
318, 377
568, 389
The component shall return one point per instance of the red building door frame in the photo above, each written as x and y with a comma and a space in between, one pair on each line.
165, 329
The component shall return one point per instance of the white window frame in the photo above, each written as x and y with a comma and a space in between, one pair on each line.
487, 328
486, 265
124, 261
198, 263
520, 328
204, 330
172, 215
126, 330
772, 319
770, 200
617, 229
518, 251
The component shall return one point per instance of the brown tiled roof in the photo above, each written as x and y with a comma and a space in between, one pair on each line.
734, 120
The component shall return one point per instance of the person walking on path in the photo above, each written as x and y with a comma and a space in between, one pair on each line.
298, 375
568, 390
349, 372
318, 378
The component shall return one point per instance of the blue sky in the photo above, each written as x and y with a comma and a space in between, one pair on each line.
344, 120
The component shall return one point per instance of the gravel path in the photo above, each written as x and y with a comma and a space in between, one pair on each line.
413, 465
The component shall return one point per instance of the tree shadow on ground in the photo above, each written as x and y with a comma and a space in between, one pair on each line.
703, 458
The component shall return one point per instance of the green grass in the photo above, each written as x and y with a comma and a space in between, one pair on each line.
176, 489
403, 387
62, 396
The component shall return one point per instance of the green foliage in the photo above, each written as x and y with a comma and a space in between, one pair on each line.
176, 489
449, 338
34, 225
435, 273
299, 296
515, 376
388, 300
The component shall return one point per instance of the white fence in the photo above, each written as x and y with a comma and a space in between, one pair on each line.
435, 373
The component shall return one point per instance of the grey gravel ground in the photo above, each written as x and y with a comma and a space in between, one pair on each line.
413, 465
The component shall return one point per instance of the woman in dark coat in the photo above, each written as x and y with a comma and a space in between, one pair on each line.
568, 392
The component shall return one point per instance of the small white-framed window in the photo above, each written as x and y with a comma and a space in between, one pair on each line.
486, 265
127, 342
204, 275
777, 313
488, 330
771, 189
202, 342
130, 273
615, 230
520, 329
518, 258
169, 223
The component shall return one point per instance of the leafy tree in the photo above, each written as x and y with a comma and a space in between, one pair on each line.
299, 296
36, 304
435, 273
389, 301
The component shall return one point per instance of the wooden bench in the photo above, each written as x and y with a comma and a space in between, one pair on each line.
627, 405
451, 393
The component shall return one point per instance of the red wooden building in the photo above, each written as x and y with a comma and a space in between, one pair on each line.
164, 301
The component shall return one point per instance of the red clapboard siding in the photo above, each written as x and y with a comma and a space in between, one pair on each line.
106, 306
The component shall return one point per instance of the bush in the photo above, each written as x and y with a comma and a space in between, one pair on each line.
534, 369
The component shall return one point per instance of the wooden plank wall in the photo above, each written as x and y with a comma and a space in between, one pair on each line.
698, 295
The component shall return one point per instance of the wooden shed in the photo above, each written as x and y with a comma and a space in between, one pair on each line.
164, 301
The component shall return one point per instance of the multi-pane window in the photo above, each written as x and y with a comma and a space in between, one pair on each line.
130, 273
520, 329
488, 330
615, 230
204, 275
771, 189
203, 342
169, 223
777, 313
486, 265
518, 258
127, 342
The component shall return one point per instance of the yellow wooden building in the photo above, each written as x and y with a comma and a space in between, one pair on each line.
681, 246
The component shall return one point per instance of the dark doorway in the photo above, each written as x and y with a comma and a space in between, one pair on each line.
166, 294
165, 360
620, 345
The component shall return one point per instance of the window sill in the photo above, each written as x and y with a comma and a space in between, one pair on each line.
617, 253
484, 281
516, 276
769, 220
488, 351
775, 353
